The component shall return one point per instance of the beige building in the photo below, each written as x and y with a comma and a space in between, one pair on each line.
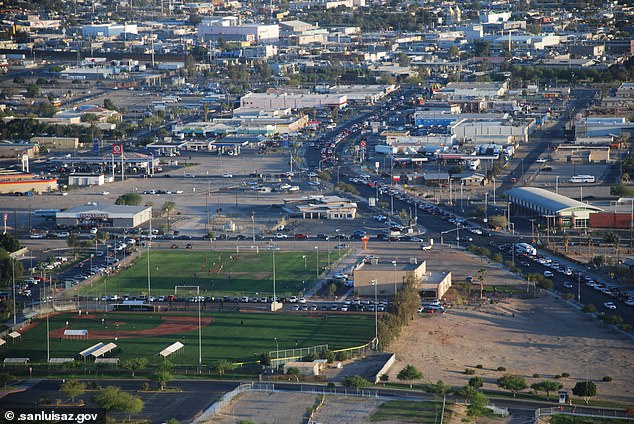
390, 275
26, 183
328, 207
57, 143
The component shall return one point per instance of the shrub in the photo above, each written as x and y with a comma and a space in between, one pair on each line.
145, 386
557, 377
565, 374
385, 377
501, 369
589, 308
331, 384
536, 375
476, 382
479, 366
606, 378
469, 371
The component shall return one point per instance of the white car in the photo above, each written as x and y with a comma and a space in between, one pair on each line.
227, 176
541, 160
301, 300
548, 274
292, 299
610, 305
568, 285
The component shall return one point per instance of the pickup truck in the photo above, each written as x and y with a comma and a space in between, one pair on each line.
425, 246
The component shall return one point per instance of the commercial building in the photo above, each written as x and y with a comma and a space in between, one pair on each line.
293, 101
555, 210
24, 183
390, 276
108, 30
87, 180
115, 216
229, 28
327, 207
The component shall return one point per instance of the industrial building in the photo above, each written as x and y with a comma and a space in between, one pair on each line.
114, 216
551, 208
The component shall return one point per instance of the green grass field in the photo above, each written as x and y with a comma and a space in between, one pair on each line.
225, 338
217, 273
409, 412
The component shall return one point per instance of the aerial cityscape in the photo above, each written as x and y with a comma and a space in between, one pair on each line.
317, 211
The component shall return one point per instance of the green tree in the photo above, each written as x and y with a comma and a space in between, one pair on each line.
108, 104
292, 371
135, 364
587, 389
355, 382
477, 401
409, 373
167, 208
89, 117
324, 176
513, 383
497, 221
72, 389
332, 289
6, 378
33, 90
114, 399
222, 365
163, 374
129, 199
9, 243
546, 386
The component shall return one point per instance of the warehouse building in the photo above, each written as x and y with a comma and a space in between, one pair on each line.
551, 208
113, 216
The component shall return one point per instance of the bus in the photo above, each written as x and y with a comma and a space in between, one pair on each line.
521, 248
582, 179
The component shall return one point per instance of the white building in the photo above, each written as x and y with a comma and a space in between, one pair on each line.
516, 132
463, 90
489, 17
292, 100
229, 28
108, 30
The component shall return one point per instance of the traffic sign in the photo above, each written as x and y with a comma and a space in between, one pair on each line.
117, 149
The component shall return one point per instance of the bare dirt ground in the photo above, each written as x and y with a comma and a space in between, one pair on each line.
541, 336
290, 408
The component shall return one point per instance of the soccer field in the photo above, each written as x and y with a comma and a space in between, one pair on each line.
217, 273
233, 336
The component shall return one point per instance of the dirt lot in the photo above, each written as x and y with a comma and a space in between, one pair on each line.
536, 336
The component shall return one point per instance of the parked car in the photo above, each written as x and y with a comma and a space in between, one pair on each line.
610, 305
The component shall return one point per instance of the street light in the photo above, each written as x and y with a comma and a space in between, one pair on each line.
376, 316
395, 289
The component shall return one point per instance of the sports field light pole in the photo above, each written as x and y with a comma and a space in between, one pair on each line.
13, 279
277, 352
304, 258
376, 316
317, 265
148, 258
200, 346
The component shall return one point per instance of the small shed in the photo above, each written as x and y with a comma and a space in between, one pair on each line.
306, 368
76, 334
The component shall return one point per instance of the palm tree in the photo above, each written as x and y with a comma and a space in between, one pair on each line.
482, 272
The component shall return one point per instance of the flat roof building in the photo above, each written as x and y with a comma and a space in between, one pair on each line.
115, 216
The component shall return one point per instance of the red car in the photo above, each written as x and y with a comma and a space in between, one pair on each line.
301, 236
174, 246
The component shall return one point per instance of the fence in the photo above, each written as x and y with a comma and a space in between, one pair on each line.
583, 412
223, 402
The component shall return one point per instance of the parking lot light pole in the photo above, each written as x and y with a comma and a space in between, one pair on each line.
395, 288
